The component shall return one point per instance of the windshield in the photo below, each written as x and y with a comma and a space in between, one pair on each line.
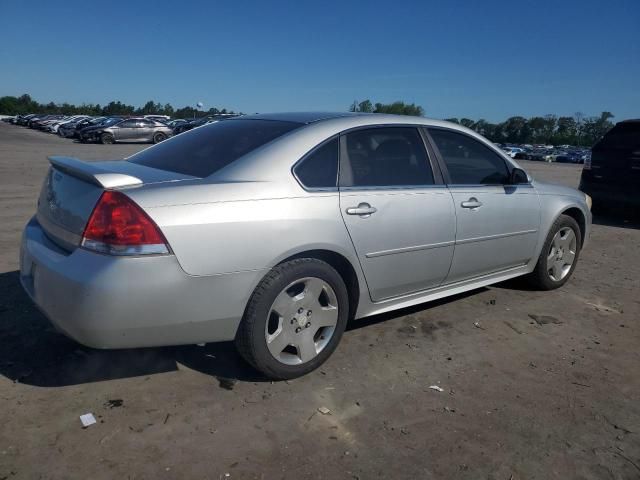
203, 151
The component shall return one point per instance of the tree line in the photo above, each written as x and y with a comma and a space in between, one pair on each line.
577, 130
25, 104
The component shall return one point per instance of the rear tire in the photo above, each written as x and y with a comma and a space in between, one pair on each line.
563, 244
107, 139
287, 329
159, 137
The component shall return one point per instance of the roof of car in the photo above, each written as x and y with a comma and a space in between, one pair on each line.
300, 117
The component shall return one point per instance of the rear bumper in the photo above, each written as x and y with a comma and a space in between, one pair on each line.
109, 302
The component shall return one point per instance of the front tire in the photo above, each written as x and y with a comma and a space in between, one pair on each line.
559, 255
294, 319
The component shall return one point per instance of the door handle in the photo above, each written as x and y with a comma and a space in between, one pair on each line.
473, 202
363, 209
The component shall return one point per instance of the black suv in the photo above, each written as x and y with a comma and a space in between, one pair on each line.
612, 178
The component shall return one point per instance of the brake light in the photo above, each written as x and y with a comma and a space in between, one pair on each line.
118, 226
587, 162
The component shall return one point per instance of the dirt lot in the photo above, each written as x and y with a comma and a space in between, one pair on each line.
546, 386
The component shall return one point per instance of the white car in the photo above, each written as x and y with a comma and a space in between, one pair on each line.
53, 128
511, 151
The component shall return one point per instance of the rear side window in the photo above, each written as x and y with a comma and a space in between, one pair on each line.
468, 161
203, 151
384, 157
319, 169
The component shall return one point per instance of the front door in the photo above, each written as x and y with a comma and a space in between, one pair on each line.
400, 218
496, 223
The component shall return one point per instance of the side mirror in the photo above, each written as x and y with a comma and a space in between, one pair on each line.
518, 176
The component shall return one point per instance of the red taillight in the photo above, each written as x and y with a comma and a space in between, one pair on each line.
120, 227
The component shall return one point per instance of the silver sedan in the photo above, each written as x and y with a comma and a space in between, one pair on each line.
276, 230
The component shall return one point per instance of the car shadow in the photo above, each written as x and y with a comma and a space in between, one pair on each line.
621, 218
32, 352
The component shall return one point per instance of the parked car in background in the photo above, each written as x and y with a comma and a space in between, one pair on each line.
612, 175
159, 118
569, 156
512, 151
55, 126
276, 230
68, 129
178, 121
40, 123
198, 122
127, 130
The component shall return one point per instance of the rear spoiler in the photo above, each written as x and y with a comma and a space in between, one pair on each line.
92, 173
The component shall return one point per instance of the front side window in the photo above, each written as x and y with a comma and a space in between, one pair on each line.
203, 151
319, 169
381, 157
127, 124
468, 161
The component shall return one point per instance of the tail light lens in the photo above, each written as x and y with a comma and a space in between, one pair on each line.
117, 226
587, 162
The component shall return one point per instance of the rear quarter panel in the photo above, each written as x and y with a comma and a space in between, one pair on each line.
240, 235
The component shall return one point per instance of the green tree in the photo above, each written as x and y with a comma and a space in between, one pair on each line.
467, 122
399, 108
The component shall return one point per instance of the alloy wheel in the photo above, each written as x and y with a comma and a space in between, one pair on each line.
562, 254
301, 321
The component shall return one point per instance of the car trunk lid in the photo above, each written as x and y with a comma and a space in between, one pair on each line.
72, 189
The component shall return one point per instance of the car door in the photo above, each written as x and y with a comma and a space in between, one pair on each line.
496, 222
145, 129
125, 130
399, 214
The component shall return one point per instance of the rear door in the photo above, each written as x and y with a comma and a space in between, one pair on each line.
145, 129
497, 223
125, 130
398, 213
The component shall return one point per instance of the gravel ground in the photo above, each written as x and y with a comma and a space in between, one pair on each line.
535, 385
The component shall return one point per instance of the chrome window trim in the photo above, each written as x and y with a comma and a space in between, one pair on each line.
492, 185
387, 188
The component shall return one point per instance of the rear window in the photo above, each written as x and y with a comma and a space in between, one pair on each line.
205, 150
625, 136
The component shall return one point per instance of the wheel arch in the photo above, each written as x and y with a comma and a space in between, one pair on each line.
344, 268
579, 217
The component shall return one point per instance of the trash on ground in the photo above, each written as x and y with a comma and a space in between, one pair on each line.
324, 410
115, 403
436, 388
477, 325
87, 420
